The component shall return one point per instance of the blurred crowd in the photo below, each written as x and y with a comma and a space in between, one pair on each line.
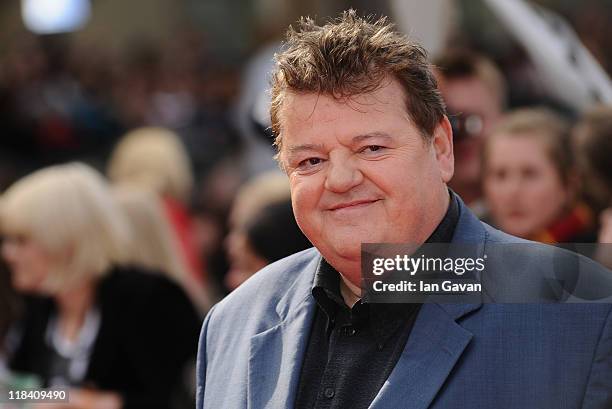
129, 204
60, 101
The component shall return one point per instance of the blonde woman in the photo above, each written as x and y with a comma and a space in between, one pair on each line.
117, 336
155, 159
153, 244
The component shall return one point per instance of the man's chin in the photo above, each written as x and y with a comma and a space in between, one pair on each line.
343, 258
347, 255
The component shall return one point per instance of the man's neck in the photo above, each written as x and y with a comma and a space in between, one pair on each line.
351, 293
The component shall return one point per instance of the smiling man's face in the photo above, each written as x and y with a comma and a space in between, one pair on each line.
360, 172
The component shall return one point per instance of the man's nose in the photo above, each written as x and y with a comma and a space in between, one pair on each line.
342, 176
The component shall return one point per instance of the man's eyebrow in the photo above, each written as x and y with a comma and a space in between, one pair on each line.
305, 147
291, 150
365, 137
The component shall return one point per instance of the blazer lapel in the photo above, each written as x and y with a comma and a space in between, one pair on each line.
433, 348
276, 355
436, 342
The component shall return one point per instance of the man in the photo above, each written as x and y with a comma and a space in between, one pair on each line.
363, 136
475, 94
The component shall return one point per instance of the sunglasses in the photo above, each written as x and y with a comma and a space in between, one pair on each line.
465, 125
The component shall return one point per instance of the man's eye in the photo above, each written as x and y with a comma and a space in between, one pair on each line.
372, 148
306, 163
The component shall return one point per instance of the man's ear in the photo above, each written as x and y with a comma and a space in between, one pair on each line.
443, 148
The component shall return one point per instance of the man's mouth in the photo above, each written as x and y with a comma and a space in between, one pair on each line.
355, 204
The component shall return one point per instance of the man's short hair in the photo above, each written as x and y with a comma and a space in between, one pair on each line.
351, 56
459, 63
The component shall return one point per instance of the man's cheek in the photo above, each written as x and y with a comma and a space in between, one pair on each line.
302, 212
304, 198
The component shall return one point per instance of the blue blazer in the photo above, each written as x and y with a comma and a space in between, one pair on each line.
514, 356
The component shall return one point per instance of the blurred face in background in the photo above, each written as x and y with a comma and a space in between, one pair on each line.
475, 110
244, 261
28, 261
522, 187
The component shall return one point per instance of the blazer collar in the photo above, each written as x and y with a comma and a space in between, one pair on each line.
300, 291
275, 355
469, 229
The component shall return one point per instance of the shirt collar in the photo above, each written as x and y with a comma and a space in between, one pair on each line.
446, 229
383, 319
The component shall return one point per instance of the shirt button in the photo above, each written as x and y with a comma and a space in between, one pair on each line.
329, 393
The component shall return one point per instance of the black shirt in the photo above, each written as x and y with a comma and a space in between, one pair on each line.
352, 351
